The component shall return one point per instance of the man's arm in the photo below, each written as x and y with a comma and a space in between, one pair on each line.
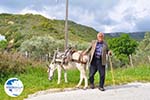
87, 50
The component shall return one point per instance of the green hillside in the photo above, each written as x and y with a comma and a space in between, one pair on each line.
135, 35
24, 27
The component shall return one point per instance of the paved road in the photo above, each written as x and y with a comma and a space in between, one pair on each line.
131, 91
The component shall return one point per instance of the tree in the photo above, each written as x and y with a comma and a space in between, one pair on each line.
143, 51
145, 43
122, 47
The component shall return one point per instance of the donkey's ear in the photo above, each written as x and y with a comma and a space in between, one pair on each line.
52, 62
47, 65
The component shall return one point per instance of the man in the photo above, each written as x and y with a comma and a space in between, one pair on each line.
98, 51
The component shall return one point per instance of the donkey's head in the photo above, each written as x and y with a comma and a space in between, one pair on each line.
51, 69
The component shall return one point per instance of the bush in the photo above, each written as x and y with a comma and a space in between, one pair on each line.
41, 45
79, 45
3, 44
13, 64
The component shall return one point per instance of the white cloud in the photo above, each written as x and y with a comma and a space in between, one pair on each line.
3, 10
126, 14
82, 16
43, 12
103, 15
57, 11
142, 8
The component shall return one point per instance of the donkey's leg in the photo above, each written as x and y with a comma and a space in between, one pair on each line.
59, 74
81, 79
86, 82
81, 75
85, 79
65, 76
65, 72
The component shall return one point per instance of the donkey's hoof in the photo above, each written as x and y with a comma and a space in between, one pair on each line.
85, 88
78, 87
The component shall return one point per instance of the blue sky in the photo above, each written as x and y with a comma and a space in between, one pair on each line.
102, 15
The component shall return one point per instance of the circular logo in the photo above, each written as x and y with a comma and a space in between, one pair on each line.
13, 87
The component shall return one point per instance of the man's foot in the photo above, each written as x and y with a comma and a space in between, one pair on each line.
92, 86
101, 89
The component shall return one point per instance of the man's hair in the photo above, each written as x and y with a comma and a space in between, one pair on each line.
100, 33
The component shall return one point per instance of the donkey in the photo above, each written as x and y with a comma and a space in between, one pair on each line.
74, 59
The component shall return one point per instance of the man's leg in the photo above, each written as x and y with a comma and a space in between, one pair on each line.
93, 70
101, 70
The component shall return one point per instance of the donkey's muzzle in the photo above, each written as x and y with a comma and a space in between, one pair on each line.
50, 78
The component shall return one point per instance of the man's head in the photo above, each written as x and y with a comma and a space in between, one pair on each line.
100, 36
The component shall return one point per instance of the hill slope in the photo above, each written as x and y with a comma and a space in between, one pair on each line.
24, 27
135, 35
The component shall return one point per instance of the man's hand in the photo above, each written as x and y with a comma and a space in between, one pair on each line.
83, 53
109, 53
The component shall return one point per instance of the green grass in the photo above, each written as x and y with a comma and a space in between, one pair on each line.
141, 73
35, 79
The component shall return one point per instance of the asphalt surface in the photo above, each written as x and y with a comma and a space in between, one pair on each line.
131, 91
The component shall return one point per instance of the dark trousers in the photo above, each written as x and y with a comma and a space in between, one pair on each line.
96, 64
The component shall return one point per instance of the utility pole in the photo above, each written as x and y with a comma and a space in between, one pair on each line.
66, 27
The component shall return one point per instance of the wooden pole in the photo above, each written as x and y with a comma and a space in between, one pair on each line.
66, 27
112, 72
131, 62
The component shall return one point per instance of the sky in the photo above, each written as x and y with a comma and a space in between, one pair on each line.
103, 15
2, 37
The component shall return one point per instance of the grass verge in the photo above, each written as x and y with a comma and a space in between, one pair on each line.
35, 79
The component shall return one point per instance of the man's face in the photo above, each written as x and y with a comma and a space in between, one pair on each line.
100, 37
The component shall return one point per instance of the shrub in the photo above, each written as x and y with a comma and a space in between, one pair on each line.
3, 44
13, 64
41, 45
